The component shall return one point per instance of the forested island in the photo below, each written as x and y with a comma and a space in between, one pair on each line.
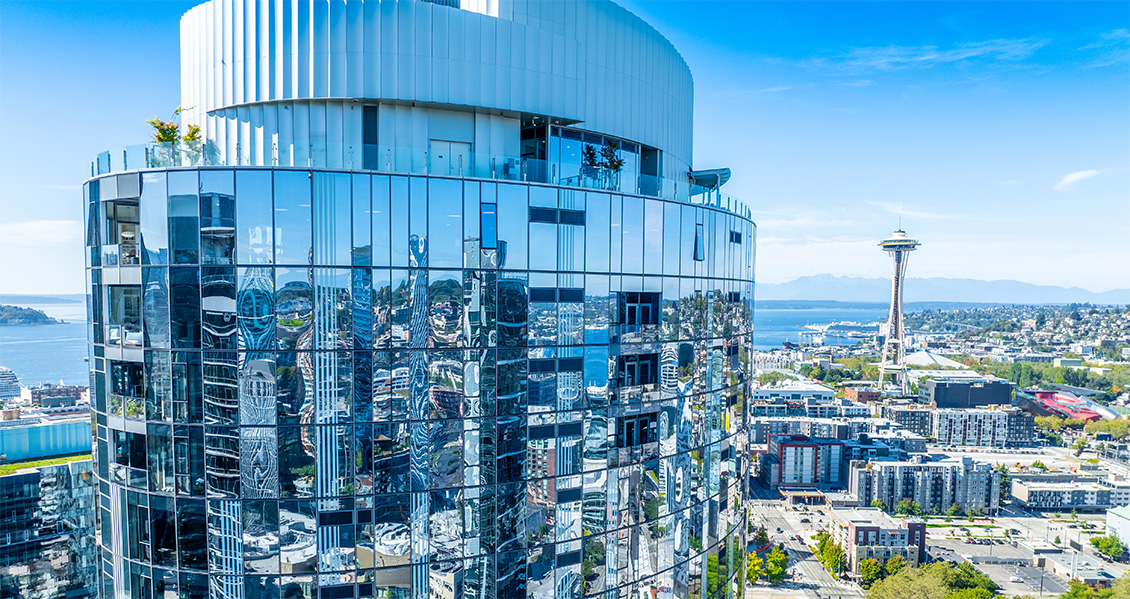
15, 315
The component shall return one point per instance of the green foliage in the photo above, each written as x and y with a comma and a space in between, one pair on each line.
1055, 540
1119, 429
754, 568
761, 537
878, 503
833, 558
870, 570
953, 510
906, 507
1079, 590
7, 469
971, 594
651, 508
18, 315
1040, 465
778, 565
773, 377
895, 565
1109, 545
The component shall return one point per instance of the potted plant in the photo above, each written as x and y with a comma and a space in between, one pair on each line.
613, 163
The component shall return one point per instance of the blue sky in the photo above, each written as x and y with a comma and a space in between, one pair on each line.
999, 132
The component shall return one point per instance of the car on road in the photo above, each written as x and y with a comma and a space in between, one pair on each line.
1015, 579
805, 520
800, 538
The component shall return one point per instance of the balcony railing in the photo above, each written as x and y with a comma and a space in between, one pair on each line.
412, 160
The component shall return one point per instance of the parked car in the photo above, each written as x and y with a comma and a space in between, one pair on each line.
1015, 579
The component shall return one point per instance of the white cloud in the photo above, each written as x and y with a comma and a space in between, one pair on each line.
41, 232
891, 58
1010, 182
1075, 177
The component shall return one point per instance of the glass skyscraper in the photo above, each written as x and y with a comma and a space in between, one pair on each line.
435, 308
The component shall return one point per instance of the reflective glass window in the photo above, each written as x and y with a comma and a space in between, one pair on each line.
381, 223
217, 217
362, 220
184, 216
332, 205
254, 217
512, 224
293, 229
445, 223
154, 219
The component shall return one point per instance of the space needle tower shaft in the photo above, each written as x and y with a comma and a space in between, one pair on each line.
899, 247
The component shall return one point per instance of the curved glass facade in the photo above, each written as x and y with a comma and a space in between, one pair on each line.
331, 384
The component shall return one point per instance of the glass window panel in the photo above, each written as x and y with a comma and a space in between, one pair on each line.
362, 220
513, 220
381, 233
398, 210
255, 308
192, 534
298, 536
332, 226
670, 239
291, 386
163, 515
155, 306
254, 218
158, 386
154, 219
633, 227
292, 218
218, 303
184, 216
261, 537
616, 241
184, 302
445, 223
445, 311
544, 257
471, 221
296, 461
160, 440
294, 307
217, 217
597, 227
653, 236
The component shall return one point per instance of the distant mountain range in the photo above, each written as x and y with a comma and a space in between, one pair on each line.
937, 289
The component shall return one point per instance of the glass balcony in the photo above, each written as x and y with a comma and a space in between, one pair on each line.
411, 160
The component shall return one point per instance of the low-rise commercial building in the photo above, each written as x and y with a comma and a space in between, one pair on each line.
964, 391
1061, 495
48, 395
861, 395
866, 533
934, 486
1072, 565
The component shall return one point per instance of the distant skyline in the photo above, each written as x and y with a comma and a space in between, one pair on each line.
999, 133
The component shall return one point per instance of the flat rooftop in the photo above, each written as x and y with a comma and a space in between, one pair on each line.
866, 516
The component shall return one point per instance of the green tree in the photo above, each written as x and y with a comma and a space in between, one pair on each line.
778, 565
878, 503
906, 507
761, 537
1006, 487
834, 558
1055, 540
971, 594
869, 571
754, 568
953, 510
1108, 545
895, 565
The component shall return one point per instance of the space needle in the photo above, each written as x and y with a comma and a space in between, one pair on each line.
899, 247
